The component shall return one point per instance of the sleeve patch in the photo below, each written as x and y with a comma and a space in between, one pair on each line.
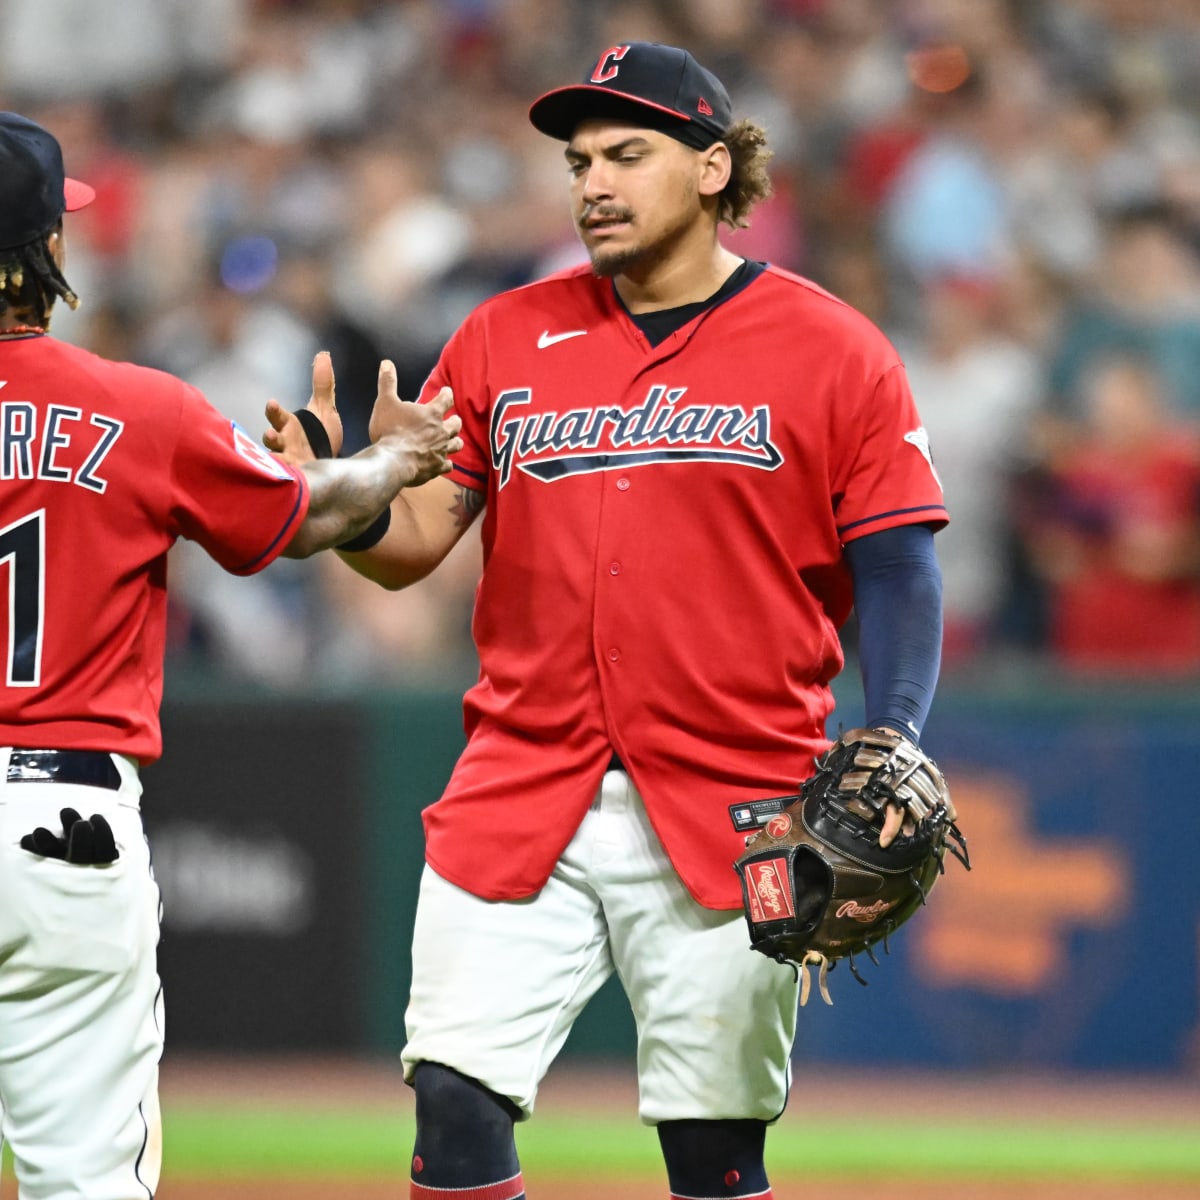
919, 437
257, 456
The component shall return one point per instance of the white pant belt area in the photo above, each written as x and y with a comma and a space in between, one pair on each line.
91, 768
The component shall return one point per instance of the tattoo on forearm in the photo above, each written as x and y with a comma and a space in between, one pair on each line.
467, 505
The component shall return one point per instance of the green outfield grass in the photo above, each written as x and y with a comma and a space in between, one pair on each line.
236, 1140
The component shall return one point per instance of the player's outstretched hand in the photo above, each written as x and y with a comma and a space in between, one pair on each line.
287, 437
423, 433
82, 842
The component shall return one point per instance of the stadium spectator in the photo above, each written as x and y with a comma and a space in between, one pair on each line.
1113, 528
1145, 300
978, 388
1053, 147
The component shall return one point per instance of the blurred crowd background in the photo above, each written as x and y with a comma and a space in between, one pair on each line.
1010, 189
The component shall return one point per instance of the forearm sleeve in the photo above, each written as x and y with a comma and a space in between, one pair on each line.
898, 599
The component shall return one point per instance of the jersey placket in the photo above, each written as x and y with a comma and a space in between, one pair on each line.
620, 641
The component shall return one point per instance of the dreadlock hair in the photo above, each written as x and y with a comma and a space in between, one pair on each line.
30, 280
748, 182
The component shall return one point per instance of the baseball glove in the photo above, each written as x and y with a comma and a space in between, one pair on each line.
816, 884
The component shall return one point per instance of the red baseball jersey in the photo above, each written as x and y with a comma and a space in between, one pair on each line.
102, 466
663, 570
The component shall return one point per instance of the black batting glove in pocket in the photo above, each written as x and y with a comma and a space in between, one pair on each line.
86, 843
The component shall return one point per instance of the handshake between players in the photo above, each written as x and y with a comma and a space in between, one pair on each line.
411, 444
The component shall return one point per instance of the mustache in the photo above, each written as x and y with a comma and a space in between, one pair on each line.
604, 212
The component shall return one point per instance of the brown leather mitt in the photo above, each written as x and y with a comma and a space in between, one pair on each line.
817, 886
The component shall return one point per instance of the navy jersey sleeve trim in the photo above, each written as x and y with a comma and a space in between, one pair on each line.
248, 568
895, 512
470, 474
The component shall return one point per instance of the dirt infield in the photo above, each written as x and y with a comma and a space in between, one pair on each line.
817, 1189
300, 1082
837, 1092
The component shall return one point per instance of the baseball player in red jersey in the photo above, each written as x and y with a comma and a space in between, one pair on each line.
691, 467
102, 467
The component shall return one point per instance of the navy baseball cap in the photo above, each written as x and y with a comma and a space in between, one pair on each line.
655, 86
34, 190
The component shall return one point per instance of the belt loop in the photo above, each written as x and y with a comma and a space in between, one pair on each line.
131, 778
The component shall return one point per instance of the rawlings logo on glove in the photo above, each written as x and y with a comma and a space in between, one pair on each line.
816, 884
866, 913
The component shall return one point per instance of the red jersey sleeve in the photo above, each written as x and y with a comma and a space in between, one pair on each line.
229, 494
887, 477
461, 368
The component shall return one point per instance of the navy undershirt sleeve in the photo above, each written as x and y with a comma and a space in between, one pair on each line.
898, 599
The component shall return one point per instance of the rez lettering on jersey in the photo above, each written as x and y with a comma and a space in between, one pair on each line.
547, 445
30, 452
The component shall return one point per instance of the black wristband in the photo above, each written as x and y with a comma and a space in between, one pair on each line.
318, 439
371, 535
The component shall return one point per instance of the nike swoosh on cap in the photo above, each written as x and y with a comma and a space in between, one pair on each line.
548, 338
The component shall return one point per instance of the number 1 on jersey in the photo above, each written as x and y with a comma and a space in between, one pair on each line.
22, 551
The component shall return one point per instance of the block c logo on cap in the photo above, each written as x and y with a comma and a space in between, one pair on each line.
606, 66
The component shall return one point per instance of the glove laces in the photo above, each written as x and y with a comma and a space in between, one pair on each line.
816, 959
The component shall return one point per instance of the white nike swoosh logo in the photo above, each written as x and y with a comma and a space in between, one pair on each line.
548, 338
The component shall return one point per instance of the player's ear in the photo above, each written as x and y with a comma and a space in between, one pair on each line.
716, 166
57, 246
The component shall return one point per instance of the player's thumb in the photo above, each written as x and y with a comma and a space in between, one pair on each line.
322, 379
387, 401
386, 389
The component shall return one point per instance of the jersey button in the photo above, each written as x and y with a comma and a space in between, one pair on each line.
614, 655
614, 568
622, 484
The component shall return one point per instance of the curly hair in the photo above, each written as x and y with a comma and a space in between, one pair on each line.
749, 182
30, 281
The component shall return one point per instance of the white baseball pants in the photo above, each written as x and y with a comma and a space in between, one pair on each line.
80, 1008
498, 985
